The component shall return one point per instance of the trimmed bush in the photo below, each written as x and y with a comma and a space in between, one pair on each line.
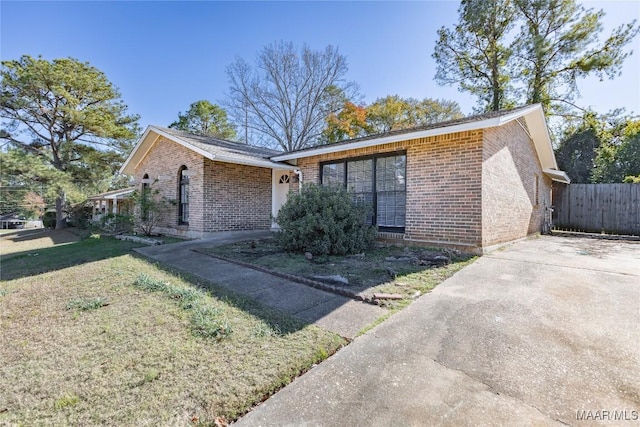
323, 221
49, 220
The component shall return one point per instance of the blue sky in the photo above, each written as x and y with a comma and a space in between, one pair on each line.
165, 55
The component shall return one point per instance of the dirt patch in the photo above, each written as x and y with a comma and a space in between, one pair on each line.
407, 272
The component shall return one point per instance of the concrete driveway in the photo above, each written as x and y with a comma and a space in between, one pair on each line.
543, 332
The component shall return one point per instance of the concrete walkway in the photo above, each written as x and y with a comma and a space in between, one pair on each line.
543, 332
336, 313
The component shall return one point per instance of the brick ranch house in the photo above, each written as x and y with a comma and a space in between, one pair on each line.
473, 183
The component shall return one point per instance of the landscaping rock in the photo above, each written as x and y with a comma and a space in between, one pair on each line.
387, 296
336, 278
392, 273
432, 259
137, 239
308, 255
398, 259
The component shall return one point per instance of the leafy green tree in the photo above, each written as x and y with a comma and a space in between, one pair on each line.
618, 158
350, 122
393, 113
287, 95
558, 44
68, 118
577, 153
475, 54
207, 119
430, 111
23, 173
389, 113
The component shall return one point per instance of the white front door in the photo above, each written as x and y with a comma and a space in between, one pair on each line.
279, 191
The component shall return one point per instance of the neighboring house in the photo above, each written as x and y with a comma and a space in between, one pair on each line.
12, 220
472, 183
111, 202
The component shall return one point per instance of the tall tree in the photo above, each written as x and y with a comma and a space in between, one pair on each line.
207, 119
389, 113
576, 154
475, 55
618, 157
349, 122
393, 113
558, 44
69, 116
287, 95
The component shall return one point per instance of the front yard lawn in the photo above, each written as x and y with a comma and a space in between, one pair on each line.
93, 335
407, 272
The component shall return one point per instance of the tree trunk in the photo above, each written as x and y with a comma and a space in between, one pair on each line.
61, 221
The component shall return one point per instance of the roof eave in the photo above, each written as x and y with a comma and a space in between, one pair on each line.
539, 133
480, 124
557, 175
129, 167
125, 168
259, 163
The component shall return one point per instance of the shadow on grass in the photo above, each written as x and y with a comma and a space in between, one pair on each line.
26, 235
37, 261
33, 262
278, 321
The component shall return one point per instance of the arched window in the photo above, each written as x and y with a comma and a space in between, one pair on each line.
144, 202
183, 196
284, 179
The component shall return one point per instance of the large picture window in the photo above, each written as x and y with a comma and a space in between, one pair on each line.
183, 196
378, 182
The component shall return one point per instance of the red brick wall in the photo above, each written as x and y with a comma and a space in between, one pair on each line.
222, 196
237, 197
162, 163
443, 185
509, 170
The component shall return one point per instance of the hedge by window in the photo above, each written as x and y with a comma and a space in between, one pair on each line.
378, 182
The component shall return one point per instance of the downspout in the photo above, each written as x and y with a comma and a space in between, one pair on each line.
299, 173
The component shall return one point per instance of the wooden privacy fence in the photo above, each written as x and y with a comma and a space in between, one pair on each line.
599, 208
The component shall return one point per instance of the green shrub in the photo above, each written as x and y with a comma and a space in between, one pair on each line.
323, 221
116, 223
49, 220
80, 216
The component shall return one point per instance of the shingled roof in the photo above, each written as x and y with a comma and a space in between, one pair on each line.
219, 146
477, 118
212, 148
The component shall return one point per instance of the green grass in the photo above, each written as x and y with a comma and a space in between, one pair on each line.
368, 273
206, 321
140, 359
86, 304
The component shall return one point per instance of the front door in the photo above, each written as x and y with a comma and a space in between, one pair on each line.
279, 191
